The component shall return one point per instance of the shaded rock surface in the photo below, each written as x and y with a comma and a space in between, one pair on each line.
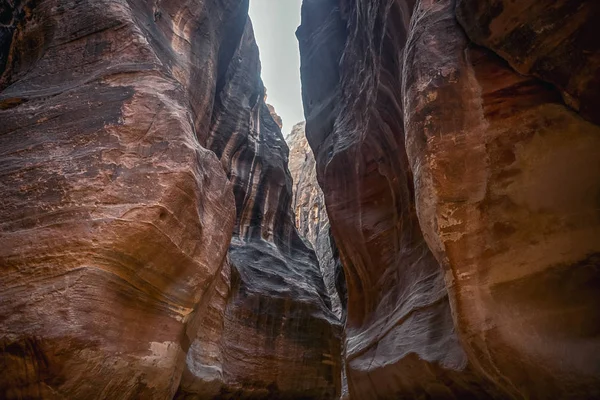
507, 180
554, 40
460, 193
279, 338
311, 216
400, 337
119, 276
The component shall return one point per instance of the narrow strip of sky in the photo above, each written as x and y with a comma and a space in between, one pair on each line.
275, 23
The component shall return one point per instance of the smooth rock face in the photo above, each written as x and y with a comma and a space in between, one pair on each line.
400, 337
279, 337
555, 40
311, 216
507, 182
114, 219
119, 278
504, 178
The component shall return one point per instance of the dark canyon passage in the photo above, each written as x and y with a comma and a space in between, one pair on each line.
443, 241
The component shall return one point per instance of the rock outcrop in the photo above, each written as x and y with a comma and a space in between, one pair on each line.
462, 195
311, 216
116, 269
400, 337
148, 246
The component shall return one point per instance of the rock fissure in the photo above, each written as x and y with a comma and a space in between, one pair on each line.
430, 232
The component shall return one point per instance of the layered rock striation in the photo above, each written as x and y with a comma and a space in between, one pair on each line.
400, 337
148, 246
134, 140
507, 181
459, 192
280, 339
311, 216
115, 218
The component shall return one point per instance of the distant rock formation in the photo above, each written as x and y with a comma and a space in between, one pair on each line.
279, 337
311, 216
272, 111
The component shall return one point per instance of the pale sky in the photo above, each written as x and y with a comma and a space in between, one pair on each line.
275, 23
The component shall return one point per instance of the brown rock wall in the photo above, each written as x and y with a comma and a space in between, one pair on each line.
400, 337
454, 246
280, 339
115, 219
506, 181
117, 215
311, 216
554, 40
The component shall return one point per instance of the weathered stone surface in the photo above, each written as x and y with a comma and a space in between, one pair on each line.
280, 340
507, 182
115, 220
505, 188
555, 40
400, 338
311, 216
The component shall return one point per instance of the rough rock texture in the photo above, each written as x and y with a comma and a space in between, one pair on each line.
555, 40
280, 339
311, 216
116, 214
504, 179
507, 185
114, 219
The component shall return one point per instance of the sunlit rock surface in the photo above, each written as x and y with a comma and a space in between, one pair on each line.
471, 254
311, 216
279, 337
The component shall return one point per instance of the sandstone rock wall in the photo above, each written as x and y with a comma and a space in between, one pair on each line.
115, 220
147, 238
507, 181
311, 216
400, 337
117, 215
459, 192
279, 338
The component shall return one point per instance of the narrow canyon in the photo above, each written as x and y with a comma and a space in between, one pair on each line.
431, 231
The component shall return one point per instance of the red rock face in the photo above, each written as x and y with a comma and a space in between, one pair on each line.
471, 253
556, 41
400, 337
507, 183
115, 218
117, 215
